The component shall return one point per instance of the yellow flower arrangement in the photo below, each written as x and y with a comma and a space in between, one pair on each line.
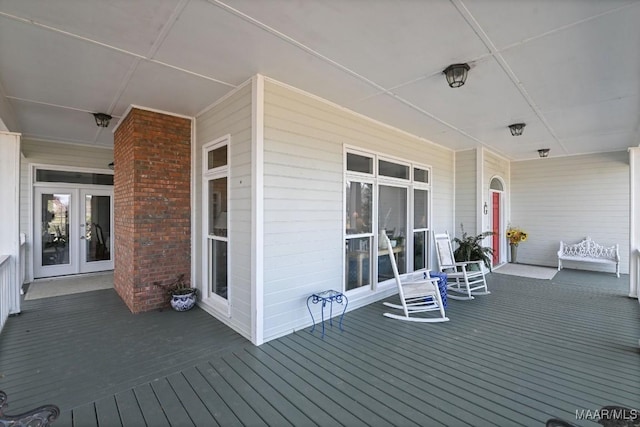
516, 235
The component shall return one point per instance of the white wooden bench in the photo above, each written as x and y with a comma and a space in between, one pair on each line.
589, 251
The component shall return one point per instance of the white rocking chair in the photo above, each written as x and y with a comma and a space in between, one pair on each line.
417, 294
460, 279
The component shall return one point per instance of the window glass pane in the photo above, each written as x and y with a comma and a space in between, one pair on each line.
420, 250
218, 207
420, 175
496, 185
55, 229
357, 163
392, 221
359, 207
218, 267
97, 227
420, 208
358, 267
43, 175
393, 170
217, 157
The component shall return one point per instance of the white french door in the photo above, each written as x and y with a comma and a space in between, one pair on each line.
73, 230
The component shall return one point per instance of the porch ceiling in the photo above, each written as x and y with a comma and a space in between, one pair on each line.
570, 70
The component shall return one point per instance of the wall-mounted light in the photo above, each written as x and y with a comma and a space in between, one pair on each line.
543, 152
517, 128
486, 208
102, 119
456, 74
112, 165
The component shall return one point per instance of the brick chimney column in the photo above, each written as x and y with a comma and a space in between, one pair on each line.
152, 206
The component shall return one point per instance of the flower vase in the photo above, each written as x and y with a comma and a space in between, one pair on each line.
514, 253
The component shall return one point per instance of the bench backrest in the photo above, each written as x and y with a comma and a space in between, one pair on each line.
589, 249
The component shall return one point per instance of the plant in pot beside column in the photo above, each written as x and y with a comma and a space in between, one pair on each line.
515, 236
470, 248
183, 296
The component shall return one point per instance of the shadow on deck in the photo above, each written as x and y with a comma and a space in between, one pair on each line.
530, 351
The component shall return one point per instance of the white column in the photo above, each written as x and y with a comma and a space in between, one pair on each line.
634, 220
10, 212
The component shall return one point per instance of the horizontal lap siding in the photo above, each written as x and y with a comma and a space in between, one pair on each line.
567, 199
303, 197
231, 116
466, 207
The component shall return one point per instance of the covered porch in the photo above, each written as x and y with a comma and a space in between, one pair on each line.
532, 350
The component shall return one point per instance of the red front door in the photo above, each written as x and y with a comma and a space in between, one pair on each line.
495, 208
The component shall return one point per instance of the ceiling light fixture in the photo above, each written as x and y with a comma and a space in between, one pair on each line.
102, 119
112, 165
517, 128
456, 74
543, 152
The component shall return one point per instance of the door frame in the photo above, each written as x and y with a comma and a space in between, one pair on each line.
501, 226
32, 184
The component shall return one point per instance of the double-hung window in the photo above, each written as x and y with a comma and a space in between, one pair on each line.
215, 184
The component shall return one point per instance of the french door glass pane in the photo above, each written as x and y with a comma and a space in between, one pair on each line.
420, 250
358, 266
218, 267
392, 221
55, 229
359, 207
420, 208
97, 227
218, 207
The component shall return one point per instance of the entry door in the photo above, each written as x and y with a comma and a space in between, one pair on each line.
495, 205
72, 231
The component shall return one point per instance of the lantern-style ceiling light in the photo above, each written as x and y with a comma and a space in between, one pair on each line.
102, 119
543, 152
517, 128
456, 74
112, 165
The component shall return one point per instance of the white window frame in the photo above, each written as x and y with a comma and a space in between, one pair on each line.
376, 180
217, 302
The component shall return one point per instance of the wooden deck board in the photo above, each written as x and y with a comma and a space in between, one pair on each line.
530, 351
128, 409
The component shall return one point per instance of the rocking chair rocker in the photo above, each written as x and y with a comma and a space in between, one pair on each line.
461, 279
417, 294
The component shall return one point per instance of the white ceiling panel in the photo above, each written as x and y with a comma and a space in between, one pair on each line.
599, 143
488, 98
130, 25
226, 47
588, 63
508, 22
168, 89
56, 124
48, 67
387, 42
605, 117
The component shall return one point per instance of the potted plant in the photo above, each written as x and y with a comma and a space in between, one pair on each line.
183, 296
470, 248
515, 235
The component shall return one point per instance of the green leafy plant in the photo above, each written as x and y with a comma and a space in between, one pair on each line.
180, 287
470, 248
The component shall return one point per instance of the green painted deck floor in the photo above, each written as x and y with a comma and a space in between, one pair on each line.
530, 351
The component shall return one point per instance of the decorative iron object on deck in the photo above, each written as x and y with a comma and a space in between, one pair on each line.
589, 251
42, 416
327, 297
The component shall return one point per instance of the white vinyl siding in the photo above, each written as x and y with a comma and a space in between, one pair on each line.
231, 116
303, 197
54, 154
570, 198
466, 193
